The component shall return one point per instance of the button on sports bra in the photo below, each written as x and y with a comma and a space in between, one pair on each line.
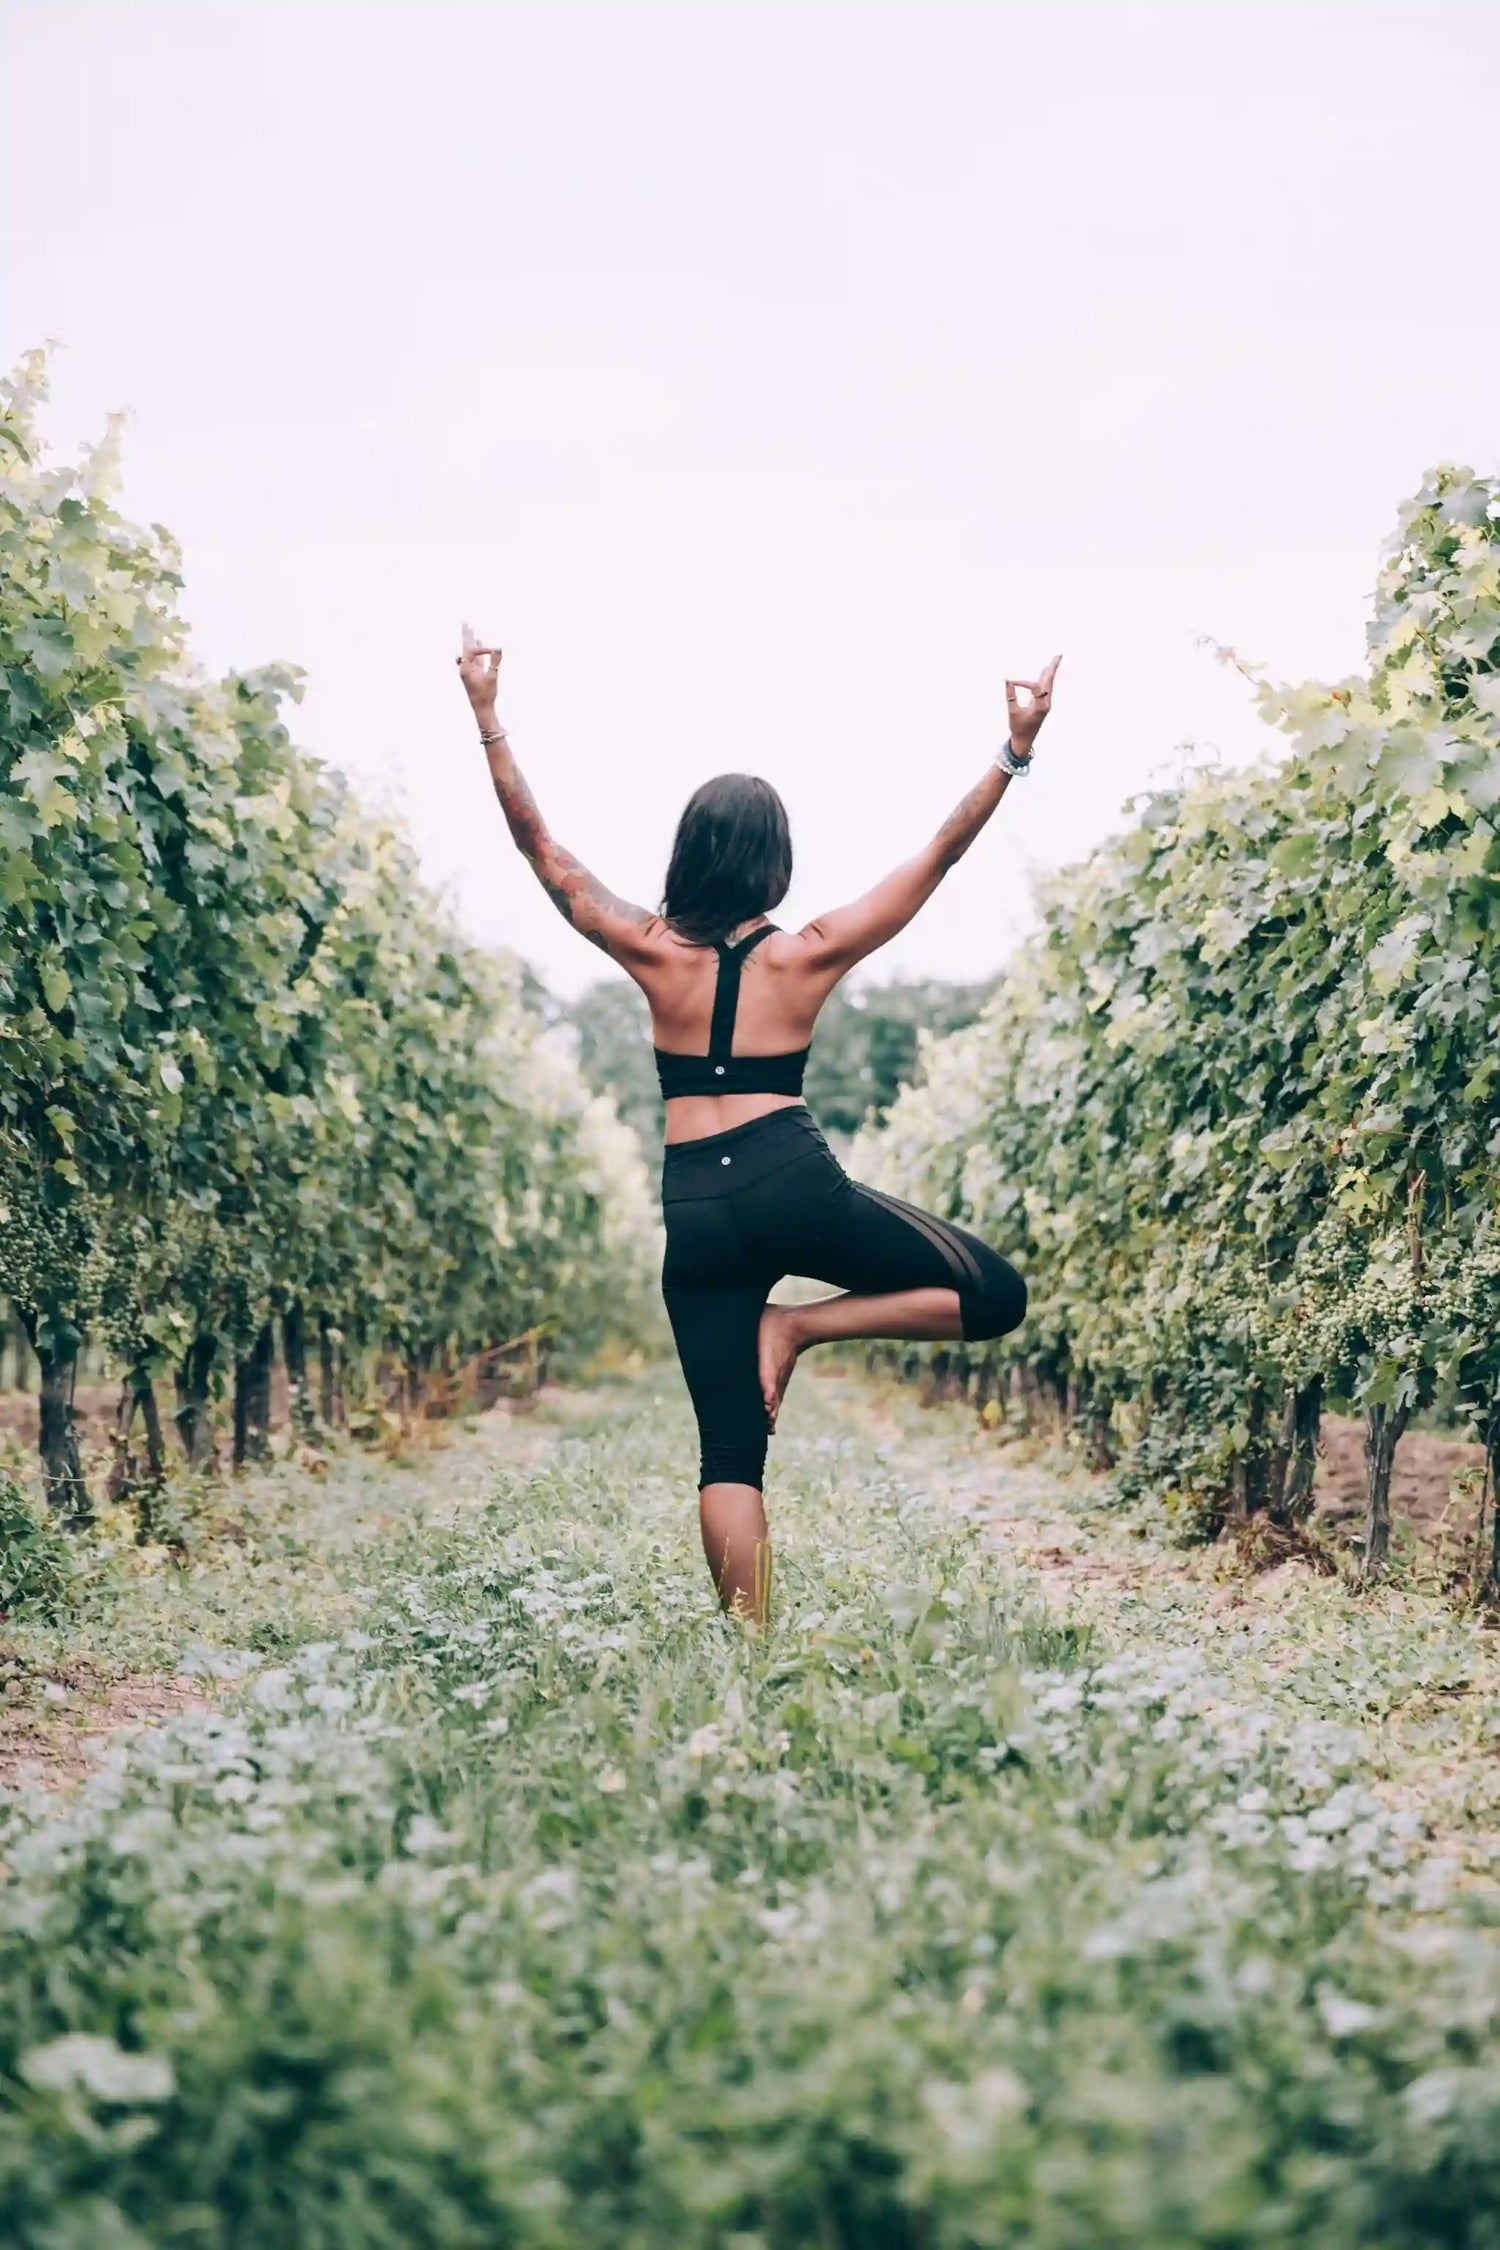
721, 1071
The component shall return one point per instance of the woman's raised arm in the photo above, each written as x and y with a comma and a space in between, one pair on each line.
611, 923
837, 940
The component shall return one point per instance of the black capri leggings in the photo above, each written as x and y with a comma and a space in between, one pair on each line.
746, 1207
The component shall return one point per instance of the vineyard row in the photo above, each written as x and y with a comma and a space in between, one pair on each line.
1236, 1108
253, 1084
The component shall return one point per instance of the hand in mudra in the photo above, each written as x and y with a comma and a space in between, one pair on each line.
479, 669
1026, 718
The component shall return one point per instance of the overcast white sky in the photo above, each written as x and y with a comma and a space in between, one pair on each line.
769, 381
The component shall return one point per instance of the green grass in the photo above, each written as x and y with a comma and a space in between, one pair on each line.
507, 1896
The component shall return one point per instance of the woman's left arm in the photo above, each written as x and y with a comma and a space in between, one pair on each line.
611, 923
836, 941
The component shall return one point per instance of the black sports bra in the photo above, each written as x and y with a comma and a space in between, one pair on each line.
721, 1071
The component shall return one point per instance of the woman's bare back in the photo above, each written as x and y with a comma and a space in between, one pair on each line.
782, 988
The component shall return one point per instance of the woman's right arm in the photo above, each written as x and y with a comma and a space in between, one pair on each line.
619, 929
836, 941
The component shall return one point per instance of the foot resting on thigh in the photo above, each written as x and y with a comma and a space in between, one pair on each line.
927, 1315
780, 1348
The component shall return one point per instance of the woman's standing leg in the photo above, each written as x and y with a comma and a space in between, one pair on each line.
716, 1332
737, 1545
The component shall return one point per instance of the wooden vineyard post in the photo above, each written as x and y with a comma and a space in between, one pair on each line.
62, 1464
1383, 1428
252, 1399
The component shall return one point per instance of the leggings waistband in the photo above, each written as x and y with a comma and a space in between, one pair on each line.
720, 1163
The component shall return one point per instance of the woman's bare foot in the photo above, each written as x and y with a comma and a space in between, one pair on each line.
781, 1344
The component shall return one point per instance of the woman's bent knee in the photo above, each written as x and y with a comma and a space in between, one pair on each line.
997, 1305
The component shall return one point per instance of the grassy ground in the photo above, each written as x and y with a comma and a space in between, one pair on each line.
1419, 1680
1029, 1884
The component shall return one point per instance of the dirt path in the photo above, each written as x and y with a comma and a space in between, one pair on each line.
1418, 1680
65, 1694
279, 1556
946, 1923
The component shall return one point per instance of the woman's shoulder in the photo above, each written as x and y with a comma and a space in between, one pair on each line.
650, 939
658, 954
788, 949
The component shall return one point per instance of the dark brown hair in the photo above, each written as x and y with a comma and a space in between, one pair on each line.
731, 858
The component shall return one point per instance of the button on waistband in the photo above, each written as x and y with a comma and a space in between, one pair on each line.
726, 1159
718, 1070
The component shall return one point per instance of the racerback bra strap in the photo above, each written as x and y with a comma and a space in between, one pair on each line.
721, 1070
727, 992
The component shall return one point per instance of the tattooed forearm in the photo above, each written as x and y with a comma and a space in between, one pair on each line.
965, 821
590, 907
522, 814
840, 939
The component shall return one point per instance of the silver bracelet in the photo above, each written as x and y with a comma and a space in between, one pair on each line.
1008, 762
496, 734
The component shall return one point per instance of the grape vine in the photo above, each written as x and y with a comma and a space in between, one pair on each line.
1236, 1108
251, 1078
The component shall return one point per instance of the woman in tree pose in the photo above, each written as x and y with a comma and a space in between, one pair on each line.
751, 1190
